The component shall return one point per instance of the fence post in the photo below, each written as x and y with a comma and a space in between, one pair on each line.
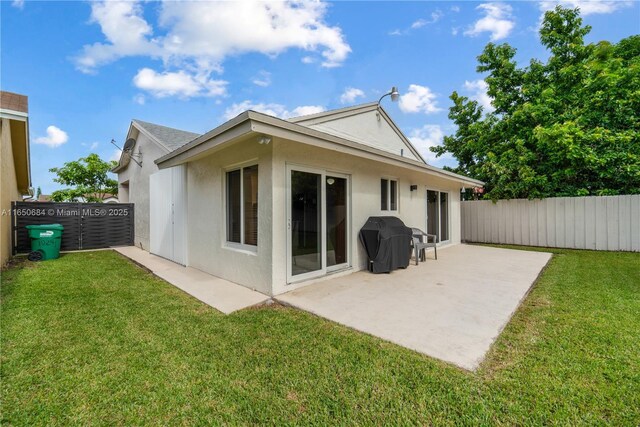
132, 225
80, 225
14, 243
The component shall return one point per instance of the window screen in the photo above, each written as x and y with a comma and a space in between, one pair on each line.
394, 195
384, 194
250, 193
233, 206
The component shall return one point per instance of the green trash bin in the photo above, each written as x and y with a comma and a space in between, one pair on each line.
45, 241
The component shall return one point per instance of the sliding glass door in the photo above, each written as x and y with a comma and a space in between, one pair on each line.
438, 215
306, 222
317, 222
336, 217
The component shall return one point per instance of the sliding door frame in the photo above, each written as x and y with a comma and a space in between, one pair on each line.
426, 216
323, 221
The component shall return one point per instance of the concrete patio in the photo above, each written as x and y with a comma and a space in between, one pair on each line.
220, 294
452, 309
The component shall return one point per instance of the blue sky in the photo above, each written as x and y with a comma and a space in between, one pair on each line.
90, 67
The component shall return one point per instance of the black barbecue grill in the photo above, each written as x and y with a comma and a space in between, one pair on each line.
387, 242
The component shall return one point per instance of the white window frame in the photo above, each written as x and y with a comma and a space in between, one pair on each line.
397, 181
244, 247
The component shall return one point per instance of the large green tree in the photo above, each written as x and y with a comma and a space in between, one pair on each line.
569, 126
88, 178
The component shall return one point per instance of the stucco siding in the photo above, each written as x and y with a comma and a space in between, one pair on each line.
365, 198
8, 189
207, 247
369, 129
264, 268
138, 191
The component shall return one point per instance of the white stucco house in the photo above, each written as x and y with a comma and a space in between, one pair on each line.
273, 204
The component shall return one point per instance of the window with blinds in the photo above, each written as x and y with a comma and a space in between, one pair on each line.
242, 206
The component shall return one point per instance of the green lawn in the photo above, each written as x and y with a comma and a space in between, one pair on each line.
92, 339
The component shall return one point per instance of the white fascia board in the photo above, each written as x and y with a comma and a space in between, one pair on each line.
352, 149
251, 121
13, 115
206, 147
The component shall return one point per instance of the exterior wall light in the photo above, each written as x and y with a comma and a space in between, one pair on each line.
264, 140
394, 94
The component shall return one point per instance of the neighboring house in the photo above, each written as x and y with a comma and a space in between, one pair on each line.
110, 198
272, 204
106, 198
15, 173
152, 142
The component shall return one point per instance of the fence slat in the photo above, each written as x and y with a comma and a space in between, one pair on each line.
624, 223
578, 224
635, 222
600, 223
86, 225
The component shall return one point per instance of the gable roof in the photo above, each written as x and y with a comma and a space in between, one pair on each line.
367, 124
255, 123
169, 137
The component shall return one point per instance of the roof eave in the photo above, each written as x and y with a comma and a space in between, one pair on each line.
226, 126
327, 115
364, 148
21, 119
252, 116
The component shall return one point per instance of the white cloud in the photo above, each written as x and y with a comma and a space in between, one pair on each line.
272, 109
455, 30
418, 99
308, 60
429, 136
305, 110
210, 29
19, 4
55, 137
350, 94
498, 20
455, 9
115, 155
478, 92
178, 83
419, 23
198, 36
139, 99
91, 146
263, 79
125, 30
587, 7
435, 17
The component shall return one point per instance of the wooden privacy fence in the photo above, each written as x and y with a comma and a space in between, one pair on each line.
86, 225
608, 223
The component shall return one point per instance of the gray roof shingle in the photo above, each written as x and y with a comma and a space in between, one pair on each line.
169, 137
